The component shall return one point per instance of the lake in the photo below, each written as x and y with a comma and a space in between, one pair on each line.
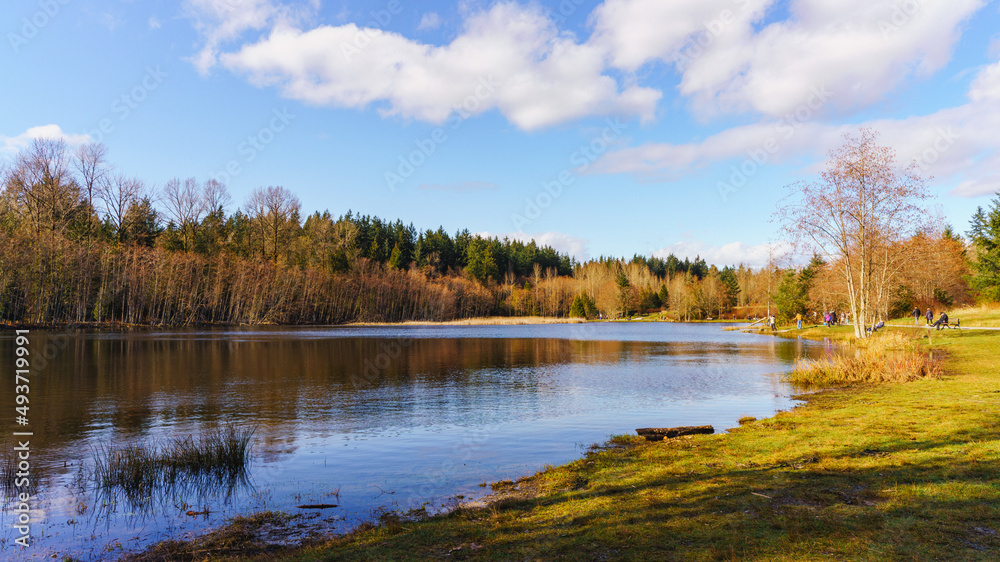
367, 418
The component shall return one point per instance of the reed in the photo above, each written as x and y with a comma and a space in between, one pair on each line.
139, 470
889, 357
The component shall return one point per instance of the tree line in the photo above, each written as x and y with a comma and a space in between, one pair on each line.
81, 242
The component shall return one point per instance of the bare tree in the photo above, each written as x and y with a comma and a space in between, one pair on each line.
214, 197
274, 212
184, 206
39, 188
861, 208
91, 164
119, 194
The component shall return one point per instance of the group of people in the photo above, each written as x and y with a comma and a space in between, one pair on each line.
942, 322
832, 318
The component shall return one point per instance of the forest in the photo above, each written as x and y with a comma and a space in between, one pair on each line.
82, 243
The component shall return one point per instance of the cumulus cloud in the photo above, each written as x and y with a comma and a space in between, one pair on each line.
859, 49
510, 58
959, 144
734, 253
635, 32
15, 143
579, 248
221, 21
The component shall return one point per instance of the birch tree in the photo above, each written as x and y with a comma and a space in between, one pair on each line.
861, 207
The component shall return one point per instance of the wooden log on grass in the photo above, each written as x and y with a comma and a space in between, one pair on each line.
661, 433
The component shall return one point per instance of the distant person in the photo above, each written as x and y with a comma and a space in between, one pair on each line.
770, 320
916, 315
798, 321
826, 319
929, 316
942, 321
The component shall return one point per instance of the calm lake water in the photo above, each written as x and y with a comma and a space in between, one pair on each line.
367, 418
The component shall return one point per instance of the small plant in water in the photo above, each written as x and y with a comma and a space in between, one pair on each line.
219, 457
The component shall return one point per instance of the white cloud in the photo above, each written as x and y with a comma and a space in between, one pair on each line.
154, 23
734, 253
859, 49
15, 143
959, 144
511, 58
579, 248
639, 31
221, 21
986, 86
430, 20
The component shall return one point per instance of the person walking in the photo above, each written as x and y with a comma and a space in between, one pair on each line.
916, 315
798, 321
929, 316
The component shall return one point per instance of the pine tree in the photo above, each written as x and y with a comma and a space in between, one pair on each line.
985, 236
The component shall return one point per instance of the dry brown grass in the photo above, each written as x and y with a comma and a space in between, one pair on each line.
984, 315
882, 358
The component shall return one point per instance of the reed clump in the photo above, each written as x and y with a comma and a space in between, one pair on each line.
219, 456
889, 357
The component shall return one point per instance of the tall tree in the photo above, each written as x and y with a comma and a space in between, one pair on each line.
985, 236
119, 194
184, 206
862, 205
39, 188
274, 212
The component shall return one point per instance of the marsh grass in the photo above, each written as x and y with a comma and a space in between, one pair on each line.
883, 358
216, 458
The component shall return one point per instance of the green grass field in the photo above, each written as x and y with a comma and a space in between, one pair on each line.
901, 471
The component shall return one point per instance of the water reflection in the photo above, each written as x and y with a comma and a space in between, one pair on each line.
386, 417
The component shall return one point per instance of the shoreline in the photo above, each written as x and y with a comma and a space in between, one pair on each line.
122, 326
478, 321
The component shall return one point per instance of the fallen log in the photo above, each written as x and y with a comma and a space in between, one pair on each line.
660, 433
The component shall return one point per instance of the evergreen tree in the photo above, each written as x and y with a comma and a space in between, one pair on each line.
664, 296
985, 236
730, 287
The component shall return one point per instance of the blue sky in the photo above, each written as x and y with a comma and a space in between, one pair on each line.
601, 128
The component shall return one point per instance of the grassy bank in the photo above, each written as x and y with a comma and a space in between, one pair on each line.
893, 471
